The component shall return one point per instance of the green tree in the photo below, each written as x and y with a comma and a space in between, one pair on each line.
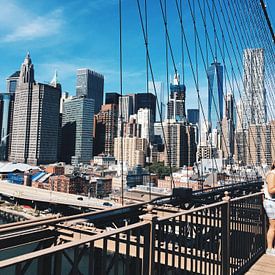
160, 169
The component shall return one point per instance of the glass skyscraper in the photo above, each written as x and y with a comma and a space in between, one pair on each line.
215, 95
6, 114
77, 130
91, 85
193, 116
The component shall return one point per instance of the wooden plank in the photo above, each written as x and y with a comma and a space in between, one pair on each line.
264, 266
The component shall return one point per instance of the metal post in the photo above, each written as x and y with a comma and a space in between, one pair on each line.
18, 269
225, 241
149, 246
58, 263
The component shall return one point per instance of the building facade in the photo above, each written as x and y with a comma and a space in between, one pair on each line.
254, 97
176, 102
228, 128
215, 95
112, 98
145, 119
77, 130
145, 101
131, 150
6, 116
105, 129
35, 119
181, 146
91, 85
158, 88
193, 116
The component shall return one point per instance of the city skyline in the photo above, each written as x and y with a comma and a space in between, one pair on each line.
74, 38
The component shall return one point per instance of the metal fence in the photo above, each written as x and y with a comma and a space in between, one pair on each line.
223, 238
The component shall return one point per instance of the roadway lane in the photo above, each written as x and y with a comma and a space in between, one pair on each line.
37, 194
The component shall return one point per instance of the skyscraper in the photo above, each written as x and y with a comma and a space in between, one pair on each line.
145, 100
90, 84
6, 113
112, 98
77, 129
144, 118
228, 127
12, 82
254, 97
105, 129
193, 116
181, 146
125, 107
159, 86
215, 95
176, 102
35, 119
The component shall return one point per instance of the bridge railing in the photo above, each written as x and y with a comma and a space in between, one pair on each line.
222, 238
119, 251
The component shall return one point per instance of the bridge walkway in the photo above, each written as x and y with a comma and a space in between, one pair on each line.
264, 266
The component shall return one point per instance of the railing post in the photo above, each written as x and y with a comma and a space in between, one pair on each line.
150, 253
225, 241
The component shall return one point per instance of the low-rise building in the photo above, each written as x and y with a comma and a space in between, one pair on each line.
100, 187
55, 169
73, 184
104, 160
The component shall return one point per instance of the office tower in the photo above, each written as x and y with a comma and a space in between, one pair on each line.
176, 102
215, 95
12, 82
6, 113
159, 89
64, 97
77, 130
112, 98
191, 132
105, 129
144, 118
254, 97
193, 116
35, 119
178, 139
7, 106
90, 84
145, 100
228, 127
125, 107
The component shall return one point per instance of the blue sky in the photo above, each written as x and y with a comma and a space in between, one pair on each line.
66, 35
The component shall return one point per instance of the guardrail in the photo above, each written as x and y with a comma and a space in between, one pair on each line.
222, 238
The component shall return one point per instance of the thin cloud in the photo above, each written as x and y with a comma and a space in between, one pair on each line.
21, 28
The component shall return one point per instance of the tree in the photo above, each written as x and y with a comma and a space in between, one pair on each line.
160, 169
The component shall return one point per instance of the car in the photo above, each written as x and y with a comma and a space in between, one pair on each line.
80, 198
107, 203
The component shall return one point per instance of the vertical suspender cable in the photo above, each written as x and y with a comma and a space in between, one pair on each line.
121, 91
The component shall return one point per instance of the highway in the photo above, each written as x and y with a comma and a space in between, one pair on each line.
42, 195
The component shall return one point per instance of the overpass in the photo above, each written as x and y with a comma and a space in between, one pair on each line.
52, 197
